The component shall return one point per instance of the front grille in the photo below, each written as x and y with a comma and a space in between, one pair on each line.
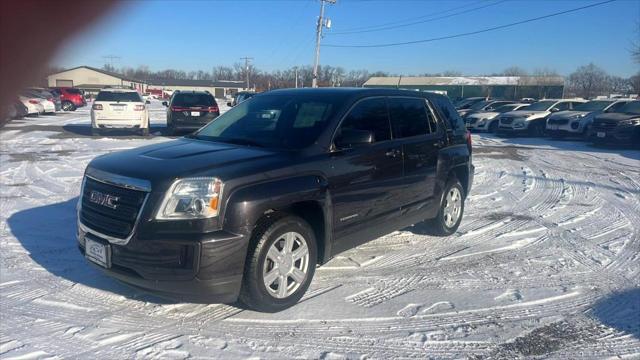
604, 124
506, 120
116, 222
558, 121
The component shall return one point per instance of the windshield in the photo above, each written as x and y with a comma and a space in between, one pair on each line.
193, 100
592, 106
632, 107
273, 121
73, 91
541, 105
119, 96
465, 103
506, 108
480, 105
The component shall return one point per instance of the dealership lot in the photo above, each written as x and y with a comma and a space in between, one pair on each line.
546, 262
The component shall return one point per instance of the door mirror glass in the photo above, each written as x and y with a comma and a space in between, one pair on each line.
164, 103
229, 104
147, 102
353, 137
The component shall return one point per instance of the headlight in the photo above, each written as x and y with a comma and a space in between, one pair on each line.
629, 122
192, 198
579, 116
482, 121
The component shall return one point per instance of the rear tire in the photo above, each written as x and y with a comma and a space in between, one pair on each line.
280, 263
451, 210
144, 132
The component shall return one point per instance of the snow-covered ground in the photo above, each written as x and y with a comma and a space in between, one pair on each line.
546, 263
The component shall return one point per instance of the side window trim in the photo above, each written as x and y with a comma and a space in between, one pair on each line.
348, 112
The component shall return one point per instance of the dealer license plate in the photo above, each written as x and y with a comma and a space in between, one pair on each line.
195, 113
601, 134
96, 252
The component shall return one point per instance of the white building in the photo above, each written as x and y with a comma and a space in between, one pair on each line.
91, 80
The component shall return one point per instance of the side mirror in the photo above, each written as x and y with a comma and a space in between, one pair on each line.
229, 103
164, 103
352, 138
555, 109
147, 102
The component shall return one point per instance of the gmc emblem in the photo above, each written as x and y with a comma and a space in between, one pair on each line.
107, 200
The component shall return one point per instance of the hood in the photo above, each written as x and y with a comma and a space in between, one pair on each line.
568, 114
484, 115
181, 158
616, 116
524, 113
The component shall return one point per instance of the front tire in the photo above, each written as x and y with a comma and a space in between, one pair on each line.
493, 127
280, 263
536, 129
451, 210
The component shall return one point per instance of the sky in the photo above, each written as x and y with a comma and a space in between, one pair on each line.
197, 35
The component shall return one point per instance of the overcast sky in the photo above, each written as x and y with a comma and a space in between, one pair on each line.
193, 35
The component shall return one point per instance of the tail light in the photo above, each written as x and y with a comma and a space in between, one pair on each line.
97, 107
50, 99
178, 108
213, 108
468, 135
138, 107
33, 101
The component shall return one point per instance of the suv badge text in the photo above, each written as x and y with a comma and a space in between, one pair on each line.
107, 200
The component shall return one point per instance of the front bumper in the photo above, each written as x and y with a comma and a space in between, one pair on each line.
620, 135
195, 268
503, 130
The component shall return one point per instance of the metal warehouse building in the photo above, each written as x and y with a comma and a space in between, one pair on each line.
506, 87
91, 80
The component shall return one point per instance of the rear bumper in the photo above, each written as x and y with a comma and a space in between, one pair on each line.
195, 268
137, 123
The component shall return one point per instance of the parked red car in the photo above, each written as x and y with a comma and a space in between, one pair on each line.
71, 98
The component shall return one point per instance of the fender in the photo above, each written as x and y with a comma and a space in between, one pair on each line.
452, 158
247, 204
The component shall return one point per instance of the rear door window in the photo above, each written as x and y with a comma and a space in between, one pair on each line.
410, 117
119, 96
193, 100
370, 115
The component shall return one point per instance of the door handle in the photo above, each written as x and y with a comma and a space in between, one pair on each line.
392, 153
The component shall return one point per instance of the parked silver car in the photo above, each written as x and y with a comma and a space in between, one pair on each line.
489, 120
577, 122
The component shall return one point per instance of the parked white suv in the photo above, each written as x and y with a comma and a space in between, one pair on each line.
488, 120
119, 109
532, 120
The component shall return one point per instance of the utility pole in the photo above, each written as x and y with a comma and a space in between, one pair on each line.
296, 69
246, 68
109, 59
319, 26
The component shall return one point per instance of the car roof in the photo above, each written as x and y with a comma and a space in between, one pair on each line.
352, 92
117, 90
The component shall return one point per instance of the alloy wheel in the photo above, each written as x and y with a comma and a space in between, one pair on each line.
452, 207
286, 265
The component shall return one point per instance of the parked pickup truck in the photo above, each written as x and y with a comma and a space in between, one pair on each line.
250, 204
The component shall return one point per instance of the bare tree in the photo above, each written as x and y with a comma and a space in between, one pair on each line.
634, 81
588, 81
514, 71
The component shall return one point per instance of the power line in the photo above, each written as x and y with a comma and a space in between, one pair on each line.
408, 19
382, 28
471, 32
